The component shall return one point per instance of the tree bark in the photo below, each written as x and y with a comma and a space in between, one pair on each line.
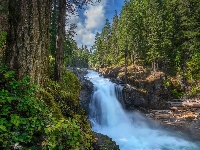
59, 58
3, 16
27, 50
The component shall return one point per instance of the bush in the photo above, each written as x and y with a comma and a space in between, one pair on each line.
22, 117
32, 119
3, 35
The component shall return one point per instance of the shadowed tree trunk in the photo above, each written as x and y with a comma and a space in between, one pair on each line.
27, 50
59, 55
3, 15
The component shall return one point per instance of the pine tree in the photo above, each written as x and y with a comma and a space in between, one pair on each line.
114, 49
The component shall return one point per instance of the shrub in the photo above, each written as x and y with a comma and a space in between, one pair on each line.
32, 119
22, 117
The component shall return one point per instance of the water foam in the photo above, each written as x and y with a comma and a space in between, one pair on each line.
131, 131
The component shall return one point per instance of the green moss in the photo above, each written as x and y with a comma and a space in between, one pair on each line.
50, 102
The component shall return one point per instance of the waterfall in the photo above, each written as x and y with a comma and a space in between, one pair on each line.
131, 131
119, 96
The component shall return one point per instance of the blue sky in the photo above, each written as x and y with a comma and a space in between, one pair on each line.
92, 20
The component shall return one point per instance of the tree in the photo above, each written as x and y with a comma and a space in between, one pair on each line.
53, 27
3, 26
27, 51
124, 36
64, 6
114, 49
59, 55
70, 44
102, 46
105, 37
153, 22
95, 58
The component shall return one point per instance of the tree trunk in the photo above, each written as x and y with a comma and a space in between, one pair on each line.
27, 50
153, 63
3, 16
59, 59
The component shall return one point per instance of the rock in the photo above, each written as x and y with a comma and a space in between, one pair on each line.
133, 97
104, 142
194, 129
85, 94
117, 81
86, 87
145, 90
79, 72
182, 115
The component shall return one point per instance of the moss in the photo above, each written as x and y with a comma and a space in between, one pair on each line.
50, 102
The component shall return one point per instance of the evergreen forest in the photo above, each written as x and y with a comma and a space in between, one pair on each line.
39, 98
159, 35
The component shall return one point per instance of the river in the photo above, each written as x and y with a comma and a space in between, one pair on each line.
130, 130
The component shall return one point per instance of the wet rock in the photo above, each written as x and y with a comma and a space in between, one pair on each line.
79, 72
85, 94
104, 142
145, 91
194, 129
132, 97
86, 87
117, 81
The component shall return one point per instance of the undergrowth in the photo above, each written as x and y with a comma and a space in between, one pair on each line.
42, 118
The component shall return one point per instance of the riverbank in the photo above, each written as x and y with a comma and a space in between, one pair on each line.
181, 115
103, 141
152, 94
130, 130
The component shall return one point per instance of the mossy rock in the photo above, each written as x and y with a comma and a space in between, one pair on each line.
105, 143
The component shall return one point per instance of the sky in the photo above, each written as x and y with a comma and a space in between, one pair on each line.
92, 19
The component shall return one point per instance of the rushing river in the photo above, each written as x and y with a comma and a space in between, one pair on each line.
131, 131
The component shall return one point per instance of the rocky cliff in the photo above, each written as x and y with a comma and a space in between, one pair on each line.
152, 94
143, 89
103, 141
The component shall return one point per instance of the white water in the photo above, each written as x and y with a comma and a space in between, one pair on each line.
130, 131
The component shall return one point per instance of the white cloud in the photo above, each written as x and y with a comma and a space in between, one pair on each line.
89, 24
94, 17
84, 36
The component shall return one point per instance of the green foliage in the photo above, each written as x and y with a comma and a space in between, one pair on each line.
80, 57
51, 66
177, 93
22, 117
102, 47
75, 131
36, 118
161, 34
3, 35
67, 134
66, 92
167, 83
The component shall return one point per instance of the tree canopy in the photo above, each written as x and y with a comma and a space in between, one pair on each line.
163, 35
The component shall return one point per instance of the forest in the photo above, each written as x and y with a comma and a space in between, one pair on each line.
159, 35
39, 98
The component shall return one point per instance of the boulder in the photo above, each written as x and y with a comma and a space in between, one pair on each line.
85, 94
104, 142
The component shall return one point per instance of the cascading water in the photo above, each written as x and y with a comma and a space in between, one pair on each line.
130, 131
